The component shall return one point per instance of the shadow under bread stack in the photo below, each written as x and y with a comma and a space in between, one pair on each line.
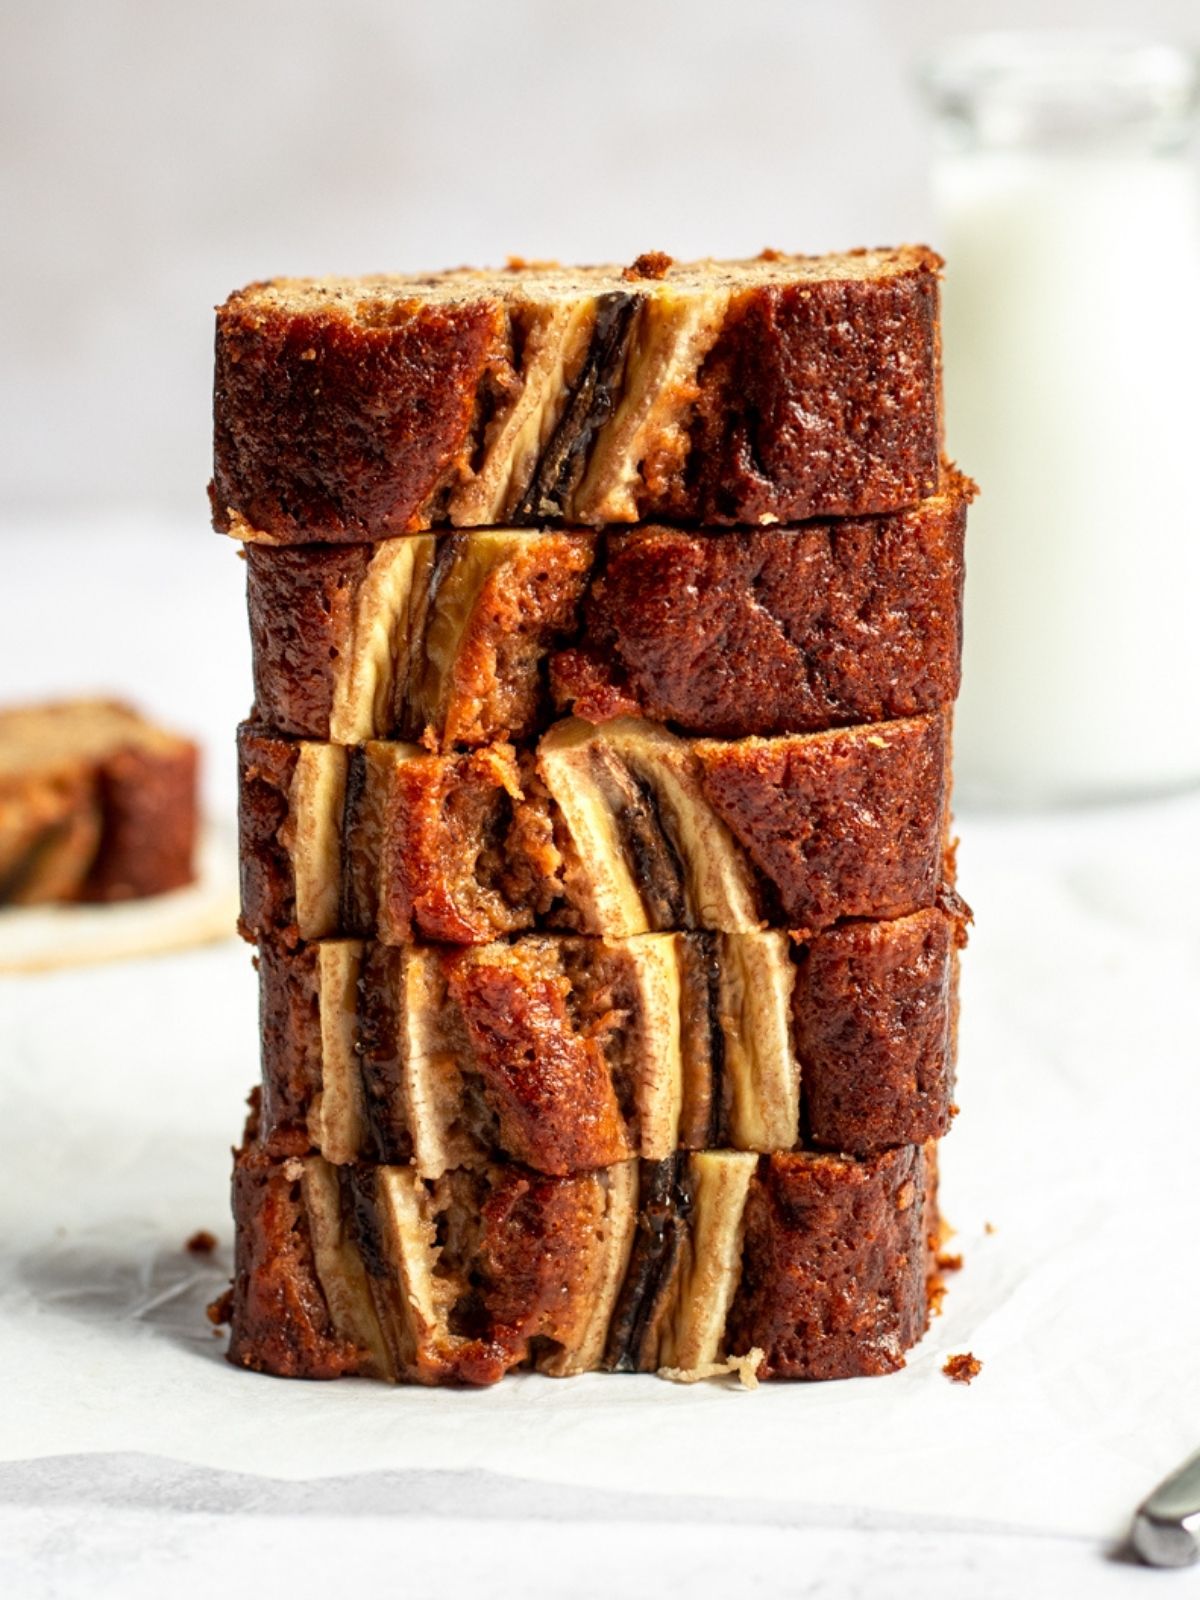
595, 815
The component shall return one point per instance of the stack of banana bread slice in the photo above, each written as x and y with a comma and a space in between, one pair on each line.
594, 815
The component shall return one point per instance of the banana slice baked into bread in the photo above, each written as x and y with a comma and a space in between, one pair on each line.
96, 803
563, 1052
616, 829
815, 1266
755, 392
465, 638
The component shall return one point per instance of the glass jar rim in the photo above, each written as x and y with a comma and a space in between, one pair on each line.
1014, 87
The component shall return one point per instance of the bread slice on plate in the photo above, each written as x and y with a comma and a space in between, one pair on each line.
96, 803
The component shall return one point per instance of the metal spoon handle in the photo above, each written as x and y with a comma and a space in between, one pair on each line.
1166, 1529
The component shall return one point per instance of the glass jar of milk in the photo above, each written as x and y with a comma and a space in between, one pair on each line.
1068, 204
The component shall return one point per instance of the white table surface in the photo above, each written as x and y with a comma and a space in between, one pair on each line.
1078, 1034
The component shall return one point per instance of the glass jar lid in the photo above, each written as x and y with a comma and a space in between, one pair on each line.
1068, 89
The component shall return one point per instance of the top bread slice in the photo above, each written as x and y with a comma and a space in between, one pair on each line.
746, 392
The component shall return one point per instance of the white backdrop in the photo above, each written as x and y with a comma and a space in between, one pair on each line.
155, 154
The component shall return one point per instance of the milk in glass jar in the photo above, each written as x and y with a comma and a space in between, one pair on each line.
1066, 190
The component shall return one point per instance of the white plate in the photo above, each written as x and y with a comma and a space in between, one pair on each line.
39, 938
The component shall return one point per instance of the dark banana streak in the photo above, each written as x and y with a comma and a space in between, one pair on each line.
718, 1131
592, 401
380, 1057
664, 1209
655, 860
24, 871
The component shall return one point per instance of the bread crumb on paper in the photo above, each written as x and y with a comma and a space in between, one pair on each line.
962, 1368
220, 1311
743, 1368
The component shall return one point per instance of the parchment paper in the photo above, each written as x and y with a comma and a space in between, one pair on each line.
121, 1092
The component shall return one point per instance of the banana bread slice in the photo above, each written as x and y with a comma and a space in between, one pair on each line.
451, 640
564, 1052
763, 391
616, 829
96, 803
815, 1266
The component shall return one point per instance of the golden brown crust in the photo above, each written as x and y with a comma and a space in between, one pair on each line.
875, 1008
301, 604
341, 427
780, 631
266, 767
279, 1318
844, 824
785, 394
289, 1025
835, 1270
